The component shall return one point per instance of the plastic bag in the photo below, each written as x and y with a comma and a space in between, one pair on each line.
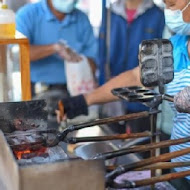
80, 80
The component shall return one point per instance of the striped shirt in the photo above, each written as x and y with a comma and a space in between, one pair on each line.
181, 128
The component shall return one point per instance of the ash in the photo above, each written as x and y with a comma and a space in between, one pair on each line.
54, 154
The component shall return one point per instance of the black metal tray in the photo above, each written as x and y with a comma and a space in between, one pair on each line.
135, 94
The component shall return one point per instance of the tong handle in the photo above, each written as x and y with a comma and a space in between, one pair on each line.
159, 165
141, 148
74, 140
61, 136
150, 181
110, 120
162, 158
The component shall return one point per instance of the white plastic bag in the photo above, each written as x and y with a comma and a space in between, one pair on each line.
80, 80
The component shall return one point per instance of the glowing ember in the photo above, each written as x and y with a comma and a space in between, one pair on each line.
28, 153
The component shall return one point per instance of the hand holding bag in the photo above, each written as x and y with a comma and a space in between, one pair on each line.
80, 80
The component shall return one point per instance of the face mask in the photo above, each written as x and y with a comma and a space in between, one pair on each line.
64, 6
174, 20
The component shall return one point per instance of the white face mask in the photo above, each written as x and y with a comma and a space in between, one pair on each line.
174, 20
64, 6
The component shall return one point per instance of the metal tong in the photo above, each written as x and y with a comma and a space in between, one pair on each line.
74, 140
159, 165
141, 148
150, 181
57, 137
146, 162
62, 136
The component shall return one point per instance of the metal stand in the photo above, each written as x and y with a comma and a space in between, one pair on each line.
151, 99
153, 119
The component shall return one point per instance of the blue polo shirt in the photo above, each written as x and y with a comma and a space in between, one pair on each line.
38, 23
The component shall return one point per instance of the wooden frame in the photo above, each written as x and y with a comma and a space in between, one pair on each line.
23, 43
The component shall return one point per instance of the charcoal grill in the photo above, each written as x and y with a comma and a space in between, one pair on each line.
39, 167
63, 175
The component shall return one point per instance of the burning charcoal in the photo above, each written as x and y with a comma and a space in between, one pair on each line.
36, 147
22, 147
34, 154
28, 153
49, 155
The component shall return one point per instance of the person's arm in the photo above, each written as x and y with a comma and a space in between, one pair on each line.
103, 94
78, 105
39, 52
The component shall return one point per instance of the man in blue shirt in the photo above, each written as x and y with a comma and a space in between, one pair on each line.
46, 23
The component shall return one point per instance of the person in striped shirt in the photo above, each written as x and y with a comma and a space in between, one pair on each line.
177, 17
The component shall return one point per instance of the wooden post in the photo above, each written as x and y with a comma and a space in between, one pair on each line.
3, 74
25, 71
23, 43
